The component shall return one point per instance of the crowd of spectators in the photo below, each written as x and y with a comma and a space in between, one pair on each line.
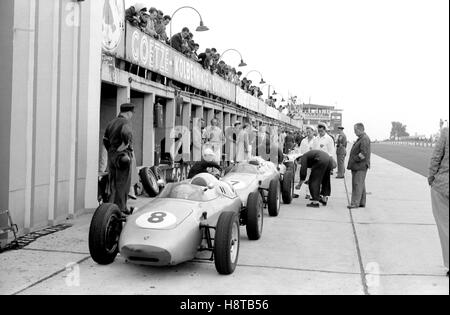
153, 22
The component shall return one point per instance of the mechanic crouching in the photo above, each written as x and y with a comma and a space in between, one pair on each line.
321, 165
205, 165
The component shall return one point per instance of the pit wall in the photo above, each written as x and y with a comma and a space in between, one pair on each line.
50, 83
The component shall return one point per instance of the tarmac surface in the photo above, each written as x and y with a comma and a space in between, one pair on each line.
391, 247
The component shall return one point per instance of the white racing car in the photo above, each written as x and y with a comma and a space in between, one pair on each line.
202, 214
259, 183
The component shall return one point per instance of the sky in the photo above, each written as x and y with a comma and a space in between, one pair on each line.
380, 61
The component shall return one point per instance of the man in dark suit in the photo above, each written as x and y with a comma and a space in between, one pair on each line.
289, 142
118, 141
341, 152
321, 165
177, 40
359, 164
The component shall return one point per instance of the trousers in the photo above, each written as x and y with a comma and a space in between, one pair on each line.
440, 211
359, 194
341, 165
320, 180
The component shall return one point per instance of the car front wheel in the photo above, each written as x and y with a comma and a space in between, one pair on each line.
274, 202
288, 187
255, 216
104, 234
226, 244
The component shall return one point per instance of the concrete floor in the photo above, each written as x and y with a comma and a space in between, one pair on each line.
391, 247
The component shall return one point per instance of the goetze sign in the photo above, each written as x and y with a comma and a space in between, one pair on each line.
155, 56
147, 52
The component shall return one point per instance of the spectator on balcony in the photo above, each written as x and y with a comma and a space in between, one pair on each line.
151, 20
215, 60
160, 28
238, 78
244, 83
205, 58
133, 14
179, 40
195, 52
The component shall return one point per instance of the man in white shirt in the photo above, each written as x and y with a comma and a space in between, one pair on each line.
310, 142
324, 141
215, 138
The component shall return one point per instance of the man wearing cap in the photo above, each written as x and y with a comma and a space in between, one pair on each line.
118, 141
341, 152
205, 164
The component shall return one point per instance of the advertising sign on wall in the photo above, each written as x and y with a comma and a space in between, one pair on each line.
156, 56
113, 27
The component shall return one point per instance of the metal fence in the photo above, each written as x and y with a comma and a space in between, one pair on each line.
413, 143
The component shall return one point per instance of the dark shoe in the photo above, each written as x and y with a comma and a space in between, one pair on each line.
362, 206
313, 205
307, 197
132, 197
324, 201
340, 177
128, 212
295, 196
352, 207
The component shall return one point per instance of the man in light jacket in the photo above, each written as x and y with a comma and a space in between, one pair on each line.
438, 181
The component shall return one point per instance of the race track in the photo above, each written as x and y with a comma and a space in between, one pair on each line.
416, 159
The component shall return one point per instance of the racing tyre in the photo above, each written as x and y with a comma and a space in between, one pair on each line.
226, 244
104, 234
149, 181
288, 187
158, 173
274, 202
255, 216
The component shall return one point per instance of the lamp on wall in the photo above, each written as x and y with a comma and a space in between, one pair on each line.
201, 28
242, 64
262, 79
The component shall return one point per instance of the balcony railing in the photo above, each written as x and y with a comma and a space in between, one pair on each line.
140, 49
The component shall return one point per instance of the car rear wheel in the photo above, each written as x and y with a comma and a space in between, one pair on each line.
160, 175
149, 181
288, 187
226, 244
274, 202
104, 234
255, 216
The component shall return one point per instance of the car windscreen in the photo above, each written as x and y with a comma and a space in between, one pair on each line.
189, 192
245, 168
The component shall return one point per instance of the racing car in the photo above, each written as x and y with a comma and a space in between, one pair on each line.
260, 182
198, 215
